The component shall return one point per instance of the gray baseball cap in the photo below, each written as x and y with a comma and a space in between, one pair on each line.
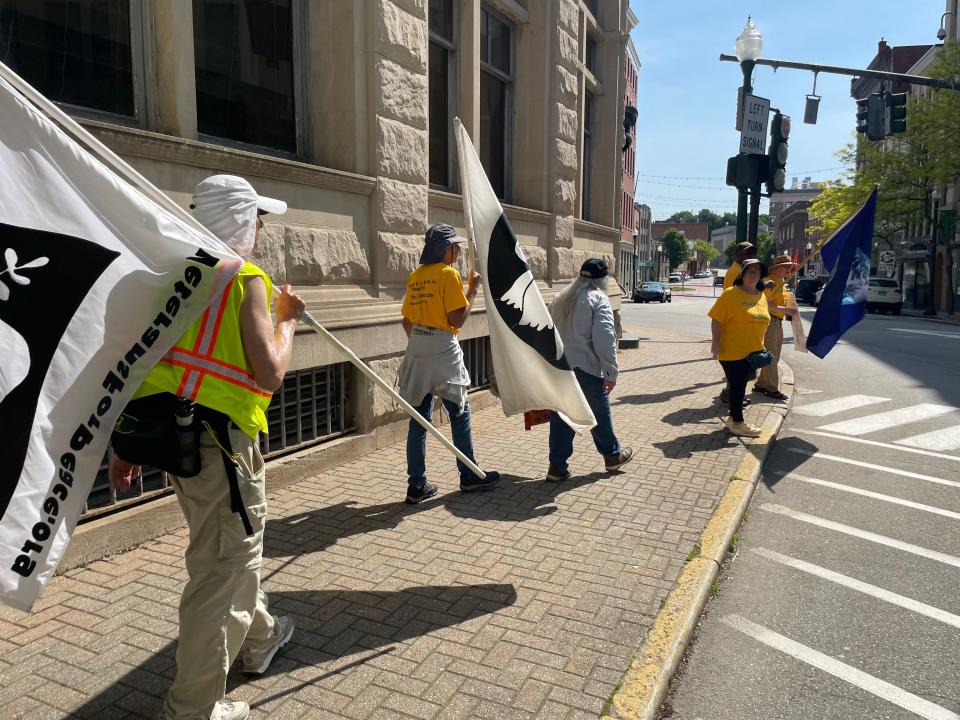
436, 241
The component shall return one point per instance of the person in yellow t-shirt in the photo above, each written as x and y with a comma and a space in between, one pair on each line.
739, 320
434, 309
769, 381
744, 250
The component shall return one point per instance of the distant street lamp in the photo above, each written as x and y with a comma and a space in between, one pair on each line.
659, 259
748, 45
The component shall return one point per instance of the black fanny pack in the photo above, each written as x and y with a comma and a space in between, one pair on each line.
163, 431
759, 359
148, 433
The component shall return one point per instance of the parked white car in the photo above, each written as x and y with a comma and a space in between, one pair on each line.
882, 295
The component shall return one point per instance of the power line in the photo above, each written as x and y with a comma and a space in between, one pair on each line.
792, 172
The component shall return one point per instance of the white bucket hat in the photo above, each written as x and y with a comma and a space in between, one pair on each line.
228, 206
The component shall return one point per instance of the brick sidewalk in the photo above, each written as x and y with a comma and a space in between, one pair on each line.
525, 602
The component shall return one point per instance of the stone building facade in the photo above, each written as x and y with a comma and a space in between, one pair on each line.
344, 109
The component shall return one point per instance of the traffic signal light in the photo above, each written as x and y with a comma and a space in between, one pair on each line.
876, 117
779, 133
897, 112
862, 113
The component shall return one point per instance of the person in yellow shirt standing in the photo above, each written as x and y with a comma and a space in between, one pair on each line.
769, 381
744, 250
739, 320
434, 309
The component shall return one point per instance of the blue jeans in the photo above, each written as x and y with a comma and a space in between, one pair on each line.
460, 426
561, 435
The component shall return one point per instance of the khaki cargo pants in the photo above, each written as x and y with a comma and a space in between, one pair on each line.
222, 604
773, 341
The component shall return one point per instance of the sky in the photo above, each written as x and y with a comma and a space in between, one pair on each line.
687, 97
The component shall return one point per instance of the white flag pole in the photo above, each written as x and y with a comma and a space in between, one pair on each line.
115, 163
383, 385
458, 132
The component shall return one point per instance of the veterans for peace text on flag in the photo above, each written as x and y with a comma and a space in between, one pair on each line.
531, 370
96, 283
843, 302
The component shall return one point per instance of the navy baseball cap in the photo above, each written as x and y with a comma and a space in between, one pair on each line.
436, 241
594, 268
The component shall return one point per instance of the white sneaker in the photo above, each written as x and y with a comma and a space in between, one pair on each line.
255, 661
236, 710
742, 429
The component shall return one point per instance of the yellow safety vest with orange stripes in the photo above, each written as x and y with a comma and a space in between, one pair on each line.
208, 364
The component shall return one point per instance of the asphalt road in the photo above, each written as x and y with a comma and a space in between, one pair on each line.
843, 597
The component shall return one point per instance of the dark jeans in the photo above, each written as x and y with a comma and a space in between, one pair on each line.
461, 428
561, 435
738, 372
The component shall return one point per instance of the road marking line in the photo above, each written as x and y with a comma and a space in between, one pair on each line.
946, 439
871, 466
893, 598
829, 407
863, 441
937, 333
873, 685
875, 495
864, 534
887, 420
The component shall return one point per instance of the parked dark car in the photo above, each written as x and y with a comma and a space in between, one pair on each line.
652, 291
806, 291
718, 281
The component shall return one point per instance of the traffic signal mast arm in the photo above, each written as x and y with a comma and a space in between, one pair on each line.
854, 72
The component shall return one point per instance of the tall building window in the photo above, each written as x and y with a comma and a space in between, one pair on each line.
585, 195
244, 55
76, 53
442, 72
496, 99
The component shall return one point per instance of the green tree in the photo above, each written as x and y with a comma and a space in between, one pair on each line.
676, 247
905, 168
682, 216
705, 251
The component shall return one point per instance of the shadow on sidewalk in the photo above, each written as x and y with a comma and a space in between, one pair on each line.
661, 365
790, 453
685, 446
513, 499
521, 498
330, 625
662, 396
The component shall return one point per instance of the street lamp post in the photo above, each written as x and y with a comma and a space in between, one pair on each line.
659, 259
748, 45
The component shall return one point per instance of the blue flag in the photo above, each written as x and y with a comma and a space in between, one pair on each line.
844, 300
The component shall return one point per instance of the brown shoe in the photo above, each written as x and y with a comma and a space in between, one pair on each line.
554, 475
615, 462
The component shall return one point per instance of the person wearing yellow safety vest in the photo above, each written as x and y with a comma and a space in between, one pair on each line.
228, 363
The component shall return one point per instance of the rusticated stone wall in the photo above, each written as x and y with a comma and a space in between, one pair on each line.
402, 152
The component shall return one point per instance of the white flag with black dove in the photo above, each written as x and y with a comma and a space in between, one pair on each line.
528, 360
97, 282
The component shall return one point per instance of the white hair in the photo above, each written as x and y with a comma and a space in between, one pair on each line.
563, 304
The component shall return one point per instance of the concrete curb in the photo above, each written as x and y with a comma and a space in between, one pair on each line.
648, 678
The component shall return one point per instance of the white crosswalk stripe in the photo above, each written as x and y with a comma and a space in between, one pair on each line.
887, 420
945, 439
830, 407
889, 692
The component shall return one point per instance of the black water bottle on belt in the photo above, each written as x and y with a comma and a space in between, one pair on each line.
188, 457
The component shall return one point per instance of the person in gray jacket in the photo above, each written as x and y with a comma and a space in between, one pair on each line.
584, 319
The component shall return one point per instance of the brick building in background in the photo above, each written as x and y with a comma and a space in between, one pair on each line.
627, 251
